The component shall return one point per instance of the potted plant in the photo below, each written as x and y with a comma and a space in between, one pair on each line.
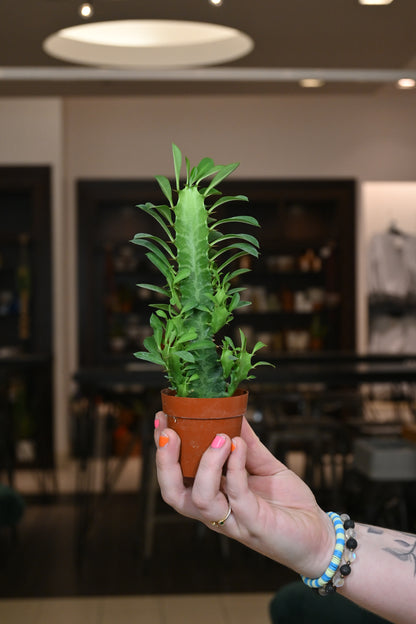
197, 300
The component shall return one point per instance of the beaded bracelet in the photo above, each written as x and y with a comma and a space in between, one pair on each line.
349, 556
336, 557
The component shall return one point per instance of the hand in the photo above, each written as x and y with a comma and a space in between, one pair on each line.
273, 510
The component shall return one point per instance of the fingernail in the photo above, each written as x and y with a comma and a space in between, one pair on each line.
163, 440
233, 447
157, 423
218, 442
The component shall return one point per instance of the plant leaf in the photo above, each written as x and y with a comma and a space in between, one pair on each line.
247, 237
177, 161
164, 267
154, 358
153, 212
166, 212
237, 219
146, 241
154, 288
224, 172
205, 169
246, 247
186, 356
236, 273
188, 168
227, 198
230, 260
166, 188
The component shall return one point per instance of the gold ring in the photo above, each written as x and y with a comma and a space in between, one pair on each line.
217, 523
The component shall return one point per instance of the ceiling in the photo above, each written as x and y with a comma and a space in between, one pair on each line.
356, 48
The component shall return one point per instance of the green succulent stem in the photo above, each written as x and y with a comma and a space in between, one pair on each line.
193, 259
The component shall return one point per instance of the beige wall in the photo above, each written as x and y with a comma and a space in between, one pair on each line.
369, 138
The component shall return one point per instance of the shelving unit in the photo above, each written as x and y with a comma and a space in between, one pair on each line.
25, 317
302, 287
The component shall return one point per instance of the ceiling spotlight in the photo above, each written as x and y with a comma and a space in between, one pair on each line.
406, 83
86, 10
215, 2
311, 83
375, 2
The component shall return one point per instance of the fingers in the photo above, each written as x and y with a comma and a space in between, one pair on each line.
160, 423
207, 494
169, 473
244, 502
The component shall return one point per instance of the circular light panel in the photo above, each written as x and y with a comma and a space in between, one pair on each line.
148, 44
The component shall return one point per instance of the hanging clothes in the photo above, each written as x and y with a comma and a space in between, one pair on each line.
392, 266
392, 292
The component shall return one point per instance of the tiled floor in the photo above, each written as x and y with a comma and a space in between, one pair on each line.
204, 609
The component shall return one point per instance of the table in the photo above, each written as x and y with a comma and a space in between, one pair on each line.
328, 372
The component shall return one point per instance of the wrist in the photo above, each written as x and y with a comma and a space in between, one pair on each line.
324, 544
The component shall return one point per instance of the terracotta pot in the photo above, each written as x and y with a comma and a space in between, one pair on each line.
197, 421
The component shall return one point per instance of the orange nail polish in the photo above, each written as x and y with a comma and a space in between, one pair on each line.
163, 440
233, 447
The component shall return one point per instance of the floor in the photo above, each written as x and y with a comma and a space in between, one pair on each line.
56, 571
184, 609
49, 560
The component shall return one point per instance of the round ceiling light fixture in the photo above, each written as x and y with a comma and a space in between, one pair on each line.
148, 44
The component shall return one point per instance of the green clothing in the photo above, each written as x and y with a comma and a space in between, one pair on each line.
297, 604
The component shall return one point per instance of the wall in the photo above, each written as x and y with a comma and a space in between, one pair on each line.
369, 138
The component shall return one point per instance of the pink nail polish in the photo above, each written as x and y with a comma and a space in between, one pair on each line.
218, 442
157, 423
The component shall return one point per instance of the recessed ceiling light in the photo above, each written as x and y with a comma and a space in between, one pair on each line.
375, 2
216, 2
86, 10
311, 83
406, 83
148, 44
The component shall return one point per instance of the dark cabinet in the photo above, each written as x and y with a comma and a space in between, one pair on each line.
25, 316
302, 287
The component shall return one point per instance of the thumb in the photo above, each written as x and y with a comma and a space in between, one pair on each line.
259, 459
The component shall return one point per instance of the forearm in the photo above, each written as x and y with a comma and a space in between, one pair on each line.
383, 576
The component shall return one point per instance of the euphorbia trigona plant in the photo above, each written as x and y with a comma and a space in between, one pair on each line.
197, 263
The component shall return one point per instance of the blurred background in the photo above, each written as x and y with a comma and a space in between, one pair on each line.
317, 104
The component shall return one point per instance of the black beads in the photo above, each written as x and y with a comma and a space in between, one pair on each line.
349, 524
351, 543
345, 569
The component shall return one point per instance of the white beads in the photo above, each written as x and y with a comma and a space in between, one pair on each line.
338, 580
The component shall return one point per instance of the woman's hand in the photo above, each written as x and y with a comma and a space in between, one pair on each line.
273, 510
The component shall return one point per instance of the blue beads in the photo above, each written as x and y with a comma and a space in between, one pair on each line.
336, 557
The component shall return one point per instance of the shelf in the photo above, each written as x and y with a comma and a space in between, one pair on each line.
25, 357
300, 219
